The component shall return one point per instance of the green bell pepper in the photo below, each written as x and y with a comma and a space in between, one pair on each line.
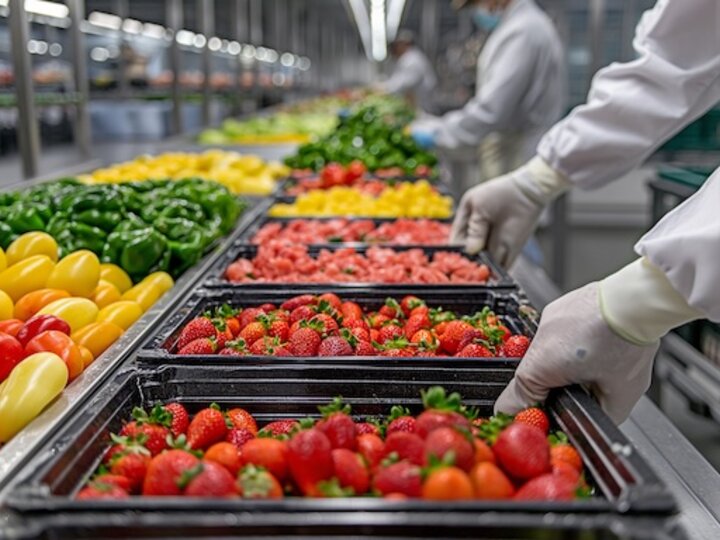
186, 241
24, 217
7, 235
105, 220
139, 252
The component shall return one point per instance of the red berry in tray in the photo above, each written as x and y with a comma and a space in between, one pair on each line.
207, 427
523, 451
534, 417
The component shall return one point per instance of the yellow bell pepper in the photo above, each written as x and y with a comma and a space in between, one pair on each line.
97, 336
144, 293
29, 244
123, 313
3, 260
162, 280
31, 386
7, 308
105, 294
26, 276
78, 274
115, 275
77, 312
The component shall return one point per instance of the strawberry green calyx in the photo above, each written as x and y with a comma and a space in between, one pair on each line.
335, 406
395, 305
348, 336
397, 411
491, 429
187, 476
558, 438
254, 482
158, 415
180, 443
332, 488
435, 398
435, 463
438, 315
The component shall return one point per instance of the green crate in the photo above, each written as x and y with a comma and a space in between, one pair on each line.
688, 176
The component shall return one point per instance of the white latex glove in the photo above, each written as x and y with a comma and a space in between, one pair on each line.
604, 336
501, 214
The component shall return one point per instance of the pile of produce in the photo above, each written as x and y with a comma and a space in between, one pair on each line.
369, 137
279, 262
241, 174
406, 199
274, 129
142, 227
443, 453
325, 325
56, 318
397, 232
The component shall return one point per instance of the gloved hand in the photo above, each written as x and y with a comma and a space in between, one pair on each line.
424, 139
604, 336
501, 214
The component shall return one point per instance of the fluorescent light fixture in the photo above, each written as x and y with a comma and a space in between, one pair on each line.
234, 47
105, 20
99, 54
131, 26
214, 43
154, 31
248, 52
48, 9
377, 30
272, 56
199, 41
287, 59
394, 16
362, 21
185, 37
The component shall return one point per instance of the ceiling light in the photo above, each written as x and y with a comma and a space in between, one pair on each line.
49, 9
105, 20
377, 30
394, 16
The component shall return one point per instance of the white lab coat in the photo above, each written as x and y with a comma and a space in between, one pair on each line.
521, 92
413, 77
631, 110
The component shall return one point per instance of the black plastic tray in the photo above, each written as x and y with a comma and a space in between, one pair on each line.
499, 278
511, 308
624, 483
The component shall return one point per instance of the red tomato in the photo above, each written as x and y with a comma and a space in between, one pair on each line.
11, 353
56, 342
333, 175
11, 327
355, 170
39, 324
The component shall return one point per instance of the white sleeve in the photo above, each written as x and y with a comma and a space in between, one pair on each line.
508, 77
408, 75
633, 108
685, 245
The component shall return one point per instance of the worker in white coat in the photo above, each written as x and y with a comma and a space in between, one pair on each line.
520, 93
413, 76
605, 335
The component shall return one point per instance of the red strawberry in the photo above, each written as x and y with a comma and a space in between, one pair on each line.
305, 342
302, 313
425, 340
562, 450
279, 329
453, 334
329, 325
253, 332
441, 411
123, 482
400, 420
523, 451
207, 428
390, 332
165, 471
355, 323
403, 352
444, 440
362, 428
208, 479
406, 446
200, 327
416, 323
280, 427
257, 483
547, 487
410, 303
99, 491
471, 336
420, 310
391, 309
268, 346
223, 334
365, 348
339, 429
240, 418
372, 448
334, 346
248, 316
180, 419
350, 470
351, 311
200, 346
270, 454
331, 299
238, 436
474, 350
534, 417
125, 444
151, 429
515, 346
133, 467
267, 307
563, 468
236, 347
403, 477
360, 334
302, 300
378, 320
310, 460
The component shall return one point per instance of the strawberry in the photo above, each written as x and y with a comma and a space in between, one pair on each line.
378, 320
225, 454
257, 483
534, 417
365, 348
350, 470
310, 460
338, 427
472, 336
547, 487
563, 468
305, 342
400, 420
523, 451
350, 311
153, 428
297, 301
331, 299
268, 346
360, 334
239, 436
208, 479
199, 327
420, 310
236, 347
240, 418
453, 334
100, 490
329, 325
223, 334
391, 309
441, 411
372, 448
355, 323
425, 340
362, 428
398, 352
515, 346
165, 470
125, 444
334, 346
122, 482
253, 332
446, 441
301, 313
416, 323
280, 427
248, 316
474, 350
199, 346
132, 466
180, 419
403, 477
405, 446
267, 307
271, 454
409, 303
562, 450
279, 329
206, 428
390, 332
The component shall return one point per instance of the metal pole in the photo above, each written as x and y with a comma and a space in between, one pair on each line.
238, 30
559, 229
256, 22
596, 33
430, 27
82, 122
174, 17
206, 17
27, 128
123, 11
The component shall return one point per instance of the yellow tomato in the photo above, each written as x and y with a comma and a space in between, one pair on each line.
7, 308
77, 312
105, 294
87, 356
26, 276
78, 273
31, 386
32, 243
3, 260
162, 280
115, 275
123, 313
97, 336
144, 294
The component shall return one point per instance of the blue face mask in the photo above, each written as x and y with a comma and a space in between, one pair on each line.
486, 20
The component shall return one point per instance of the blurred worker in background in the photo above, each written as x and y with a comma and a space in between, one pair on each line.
605, 335
520, 93
413, 75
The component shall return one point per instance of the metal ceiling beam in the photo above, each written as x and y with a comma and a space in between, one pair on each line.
174, 21
82, 117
